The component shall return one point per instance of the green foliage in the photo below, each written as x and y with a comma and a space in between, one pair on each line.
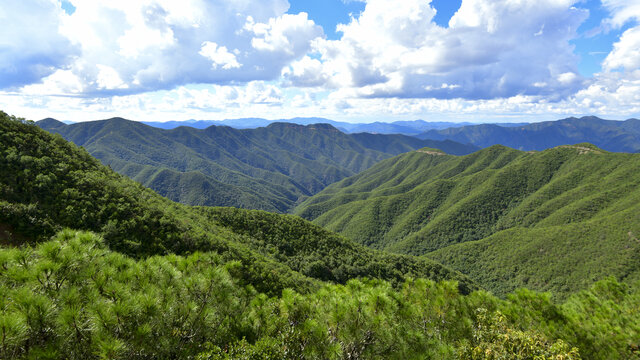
267, 168
321, 254
73, 298
494, 339
499, 215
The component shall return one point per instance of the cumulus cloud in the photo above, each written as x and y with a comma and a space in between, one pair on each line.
219, 55
491, 49
124, 46
31, 47
143, 59
626, 51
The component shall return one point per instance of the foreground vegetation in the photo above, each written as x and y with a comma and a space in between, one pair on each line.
73, 298
499, 215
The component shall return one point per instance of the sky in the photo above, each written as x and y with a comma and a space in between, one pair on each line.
348, 60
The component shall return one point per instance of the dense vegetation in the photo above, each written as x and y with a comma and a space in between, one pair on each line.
623, 136
47, 184
268, 168
499, 215
141, 277
72, 298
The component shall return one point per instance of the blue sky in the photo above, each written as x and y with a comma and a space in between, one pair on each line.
373, 60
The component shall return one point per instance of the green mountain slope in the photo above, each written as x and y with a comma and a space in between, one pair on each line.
552, 220
621, 136
268, 168
47, 184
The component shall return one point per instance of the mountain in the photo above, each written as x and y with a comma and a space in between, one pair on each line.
269, 168
619, 136
96, 266
48, 184
554, 220
413, 127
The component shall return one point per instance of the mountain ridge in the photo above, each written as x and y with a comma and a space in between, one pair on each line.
611, 135
281, 163
460, 210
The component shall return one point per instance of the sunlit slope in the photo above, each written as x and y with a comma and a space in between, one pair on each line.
552, 220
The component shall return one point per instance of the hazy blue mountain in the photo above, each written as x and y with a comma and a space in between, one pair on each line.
610, 135
414, 127
268, 168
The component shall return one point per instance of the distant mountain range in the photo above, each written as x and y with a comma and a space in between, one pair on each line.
414, 127
619, 136
554, 220
269, 168
610, 135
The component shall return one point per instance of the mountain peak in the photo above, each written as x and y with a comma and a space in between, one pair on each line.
50, 123
284, 125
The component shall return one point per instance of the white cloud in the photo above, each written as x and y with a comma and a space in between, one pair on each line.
30, 46
621, 11
60, 82
219, 55
288, 34
108, 78
491, 49
306, 72
153, 44
498, 59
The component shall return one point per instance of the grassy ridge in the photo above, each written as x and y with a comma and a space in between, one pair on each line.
500, 215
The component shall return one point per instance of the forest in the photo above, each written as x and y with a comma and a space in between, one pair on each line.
499, 215
268, 168
94, 265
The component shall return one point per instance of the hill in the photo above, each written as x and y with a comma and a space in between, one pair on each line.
48, 184
554, 220
268, 168
619, 136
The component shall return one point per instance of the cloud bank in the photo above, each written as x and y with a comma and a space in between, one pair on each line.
162, 58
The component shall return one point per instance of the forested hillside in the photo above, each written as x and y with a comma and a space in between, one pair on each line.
553, 220
621, 136
268, 168
47, 184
